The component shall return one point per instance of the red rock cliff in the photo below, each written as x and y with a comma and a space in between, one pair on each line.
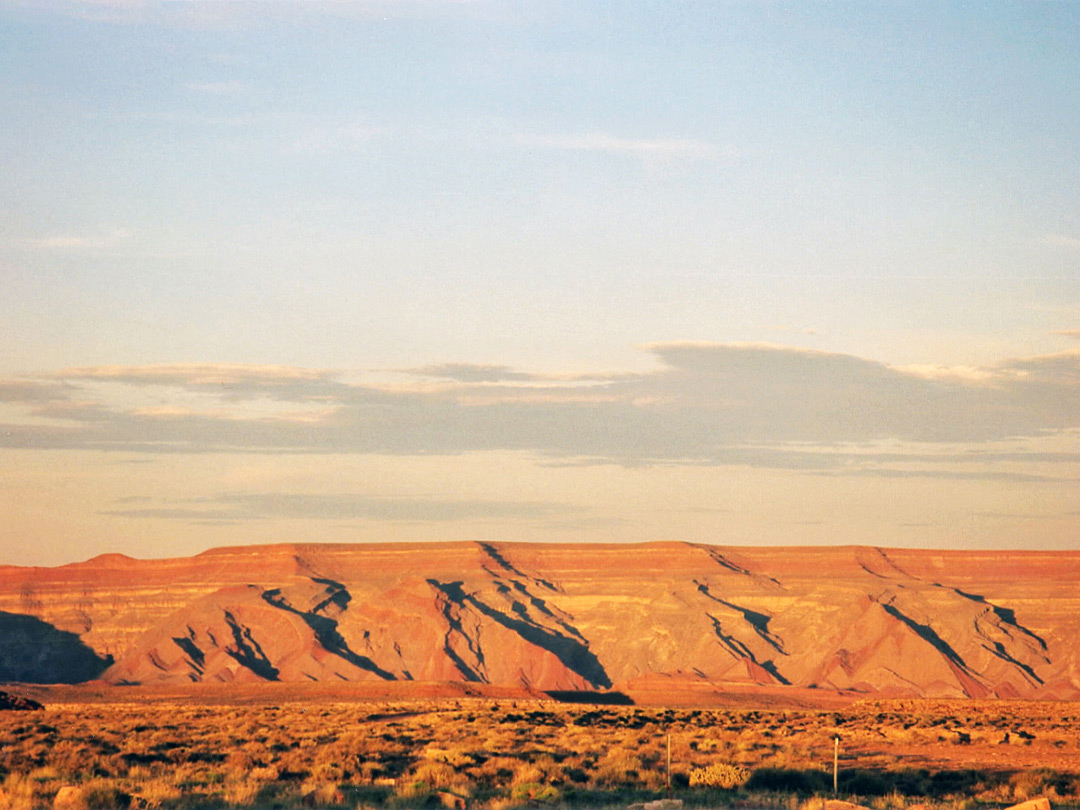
553, 617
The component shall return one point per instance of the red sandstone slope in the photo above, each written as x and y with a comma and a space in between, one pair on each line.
568, 616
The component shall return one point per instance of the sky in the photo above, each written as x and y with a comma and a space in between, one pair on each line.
736, 272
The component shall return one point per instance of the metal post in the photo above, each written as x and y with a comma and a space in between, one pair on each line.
835, 763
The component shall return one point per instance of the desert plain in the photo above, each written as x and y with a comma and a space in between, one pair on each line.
98, 746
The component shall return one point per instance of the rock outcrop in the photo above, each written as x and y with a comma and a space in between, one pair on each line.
9, 702
561, 617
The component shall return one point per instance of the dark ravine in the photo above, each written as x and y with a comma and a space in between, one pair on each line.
557, 618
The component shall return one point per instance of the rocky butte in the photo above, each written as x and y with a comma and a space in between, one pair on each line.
546, 617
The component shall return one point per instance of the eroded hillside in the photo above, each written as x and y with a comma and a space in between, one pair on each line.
558, 617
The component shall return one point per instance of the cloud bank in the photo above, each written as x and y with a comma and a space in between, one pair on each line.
704, 403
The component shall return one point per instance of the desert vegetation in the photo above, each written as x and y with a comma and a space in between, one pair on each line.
500, 754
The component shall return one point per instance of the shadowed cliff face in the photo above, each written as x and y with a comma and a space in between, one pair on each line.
33, 651
557, 617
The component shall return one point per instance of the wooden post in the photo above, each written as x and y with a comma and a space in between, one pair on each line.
835, 763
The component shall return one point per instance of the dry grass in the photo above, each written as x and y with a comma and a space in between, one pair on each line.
179, 756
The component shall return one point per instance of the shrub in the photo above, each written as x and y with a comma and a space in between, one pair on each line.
321, 794
542, 770
787, 780
911, 781
439, 776
1040, 782
578, 775
18, 793
864, 783
721, 775
104, 796
618, 768
950, 783
411, 794
542, 794
155, 793
242, 793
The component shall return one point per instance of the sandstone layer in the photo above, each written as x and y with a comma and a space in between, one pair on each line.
558, 617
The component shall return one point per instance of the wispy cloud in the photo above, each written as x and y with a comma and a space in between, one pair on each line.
959, 374
471, 373
219, 88
226, 380
1071, 333
32, 391
951, 475
1061, 240
325, 139
209, 14
197, 374
1026, 516
319, 506
793, 330
104, 240
666, 148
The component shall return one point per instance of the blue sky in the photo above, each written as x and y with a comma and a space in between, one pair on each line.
769, 272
